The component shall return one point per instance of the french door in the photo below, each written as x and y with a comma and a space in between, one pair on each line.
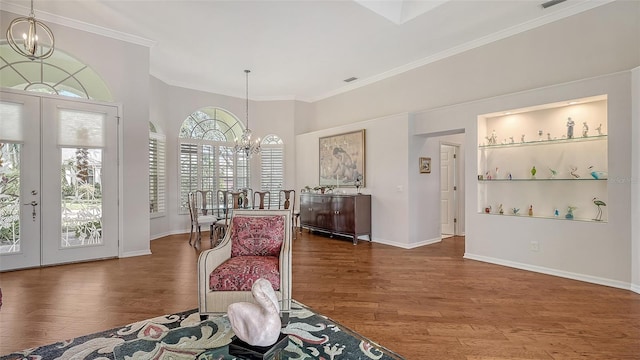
58, 180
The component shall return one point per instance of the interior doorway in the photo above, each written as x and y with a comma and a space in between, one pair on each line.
449, 189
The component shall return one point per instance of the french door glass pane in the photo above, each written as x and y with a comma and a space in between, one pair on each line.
81, 197
9, 198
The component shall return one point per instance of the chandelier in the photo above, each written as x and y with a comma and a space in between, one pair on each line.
32, 47
244, 145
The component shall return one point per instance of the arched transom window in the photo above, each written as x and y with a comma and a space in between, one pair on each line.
60, 74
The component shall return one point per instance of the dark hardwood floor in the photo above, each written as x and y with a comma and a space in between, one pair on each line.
424, 303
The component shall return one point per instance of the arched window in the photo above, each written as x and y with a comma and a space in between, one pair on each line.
207, 158
156, 172
272, 166
60, 74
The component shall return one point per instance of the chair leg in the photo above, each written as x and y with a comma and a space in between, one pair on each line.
191, 234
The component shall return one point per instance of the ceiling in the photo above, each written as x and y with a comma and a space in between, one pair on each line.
296, 49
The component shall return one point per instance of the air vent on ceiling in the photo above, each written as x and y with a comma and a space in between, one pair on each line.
551, 3
350, 79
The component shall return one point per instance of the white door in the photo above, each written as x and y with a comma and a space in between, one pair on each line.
448, 188
19, 181
69, 189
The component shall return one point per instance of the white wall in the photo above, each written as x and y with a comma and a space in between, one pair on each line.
600, 41
596, 252
387, 164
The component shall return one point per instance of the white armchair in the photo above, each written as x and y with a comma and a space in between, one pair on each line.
256, 244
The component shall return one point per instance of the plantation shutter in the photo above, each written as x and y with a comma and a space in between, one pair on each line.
188, 173
157, 188
272, 171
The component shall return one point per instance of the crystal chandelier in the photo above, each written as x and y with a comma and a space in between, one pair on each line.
244, 145
33, 47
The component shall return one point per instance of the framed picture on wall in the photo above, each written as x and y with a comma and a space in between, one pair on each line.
425, 165
342, 159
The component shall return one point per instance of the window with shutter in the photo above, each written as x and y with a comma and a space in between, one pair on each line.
272, 167
207, 158
157, 188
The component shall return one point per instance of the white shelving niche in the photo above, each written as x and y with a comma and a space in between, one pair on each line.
569, 171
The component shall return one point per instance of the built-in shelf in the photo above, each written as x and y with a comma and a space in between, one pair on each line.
545, 142
560, 217
527, 180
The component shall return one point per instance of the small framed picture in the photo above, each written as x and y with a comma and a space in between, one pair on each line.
425, 165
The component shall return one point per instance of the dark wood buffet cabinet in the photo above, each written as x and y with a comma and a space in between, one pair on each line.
345, 214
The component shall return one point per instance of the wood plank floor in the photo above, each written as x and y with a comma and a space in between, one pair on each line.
424, 303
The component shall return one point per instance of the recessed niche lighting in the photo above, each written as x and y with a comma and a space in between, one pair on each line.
572, 102
350, 79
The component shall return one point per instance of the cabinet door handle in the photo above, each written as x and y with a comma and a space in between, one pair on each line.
337, 212
310, 209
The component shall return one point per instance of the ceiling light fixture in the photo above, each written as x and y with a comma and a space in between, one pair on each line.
33, 47
245, 145
551, 3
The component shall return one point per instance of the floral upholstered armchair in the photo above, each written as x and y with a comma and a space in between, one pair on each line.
256, 245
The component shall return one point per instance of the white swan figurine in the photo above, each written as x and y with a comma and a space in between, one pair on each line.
257, 324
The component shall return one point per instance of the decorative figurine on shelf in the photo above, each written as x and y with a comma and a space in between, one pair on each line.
522, 138
533, 172
487, 175
599, 129
500, 209
548, 136
573, 171
510, 177
570, 125
530, 210
598, 203
358, 183
493, 140
511, 141
598, 175
553, 173
514, 211
556, 213
539, 135
569, 215
585, 129
497, 173
487, 209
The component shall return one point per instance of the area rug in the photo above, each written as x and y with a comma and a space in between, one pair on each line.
185, 336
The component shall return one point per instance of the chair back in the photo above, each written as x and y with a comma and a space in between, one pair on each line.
191, 204
287, 199
222, 203
204, 201
246, 197
261, 195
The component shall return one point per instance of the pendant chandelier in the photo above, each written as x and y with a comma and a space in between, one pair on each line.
244, 145
33, 47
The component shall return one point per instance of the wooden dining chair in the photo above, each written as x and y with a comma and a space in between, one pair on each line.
263, 197
287, 200
198, 218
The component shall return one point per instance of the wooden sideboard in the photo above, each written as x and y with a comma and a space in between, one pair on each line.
346, 214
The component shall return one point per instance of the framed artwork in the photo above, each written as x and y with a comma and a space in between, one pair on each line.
425, 165
342, 159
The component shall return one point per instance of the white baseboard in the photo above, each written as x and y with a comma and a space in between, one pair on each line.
174, 232
549, 271
635, 288
135, 253
408, 246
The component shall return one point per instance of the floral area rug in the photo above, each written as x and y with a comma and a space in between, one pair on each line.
185, 336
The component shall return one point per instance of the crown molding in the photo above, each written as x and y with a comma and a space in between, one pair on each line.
503, 34
78, 25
